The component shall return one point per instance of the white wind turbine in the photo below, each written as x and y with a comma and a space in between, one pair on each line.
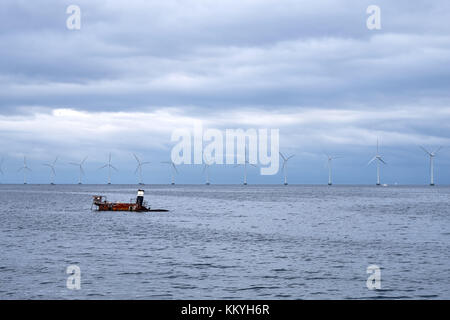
432, 155
284, 167
206, 170
52, 170
80, 166
109, 166
379, 160
139, 168
173, 170
1, 166
25, 168
246, 162
329, 164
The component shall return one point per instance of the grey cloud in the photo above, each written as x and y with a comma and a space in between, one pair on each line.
213, 59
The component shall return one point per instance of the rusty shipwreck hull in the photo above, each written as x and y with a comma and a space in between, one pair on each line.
110, 206
140, 205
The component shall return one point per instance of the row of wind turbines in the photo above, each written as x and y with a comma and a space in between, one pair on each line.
25, 168
378, 159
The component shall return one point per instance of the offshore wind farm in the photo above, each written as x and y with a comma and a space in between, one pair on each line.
223, 150
378, 159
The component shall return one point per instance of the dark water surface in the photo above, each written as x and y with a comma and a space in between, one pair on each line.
237, 242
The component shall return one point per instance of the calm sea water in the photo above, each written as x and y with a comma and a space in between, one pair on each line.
226, 242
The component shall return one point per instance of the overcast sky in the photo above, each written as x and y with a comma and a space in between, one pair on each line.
137, 70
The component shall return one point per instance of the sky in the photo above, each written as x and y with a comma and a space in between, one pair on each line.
138, 70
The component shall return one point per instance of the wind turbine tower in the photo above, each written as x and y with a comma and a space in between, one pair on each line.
52, 170
330, 169
109, 166
1, 166
138, 168
246, 162
173, 170
206, 170
432, 155
284, 167
379, 160
80, 166
25, 168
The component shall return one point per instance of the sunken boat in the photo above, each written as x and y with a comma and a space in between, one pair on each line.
139, 205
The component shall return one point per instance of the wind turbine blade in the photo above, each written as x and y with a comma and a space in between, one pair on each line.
74, 164
56, 159
282, 156
426, 151
166, 162
174, 167
290, 157
137, 169
82, 162
103, 167
137, 159
82, 170
53, 170
148, 162
437, 150
382, 160
253, 165
373, 159
113, 167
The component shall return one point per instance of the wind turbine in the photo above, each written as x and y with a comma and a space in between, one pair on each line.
330, 160
246, 162
109, 166
52, 171
1, 166
206, 170
379, 160
25, 168
138, 168
432, 155
172, 171
80, 165
284, 167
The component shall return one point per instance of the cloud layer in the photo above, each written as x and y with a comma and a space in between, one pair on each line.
137, 70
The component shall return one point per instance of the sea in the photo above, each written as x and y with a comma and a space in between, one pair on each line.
226, 242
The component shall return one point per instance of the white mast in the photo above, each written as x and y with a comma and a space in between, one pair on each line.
109, 166
25, 168
379, 160
284, 167
432, 155
173, 170
52, 170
